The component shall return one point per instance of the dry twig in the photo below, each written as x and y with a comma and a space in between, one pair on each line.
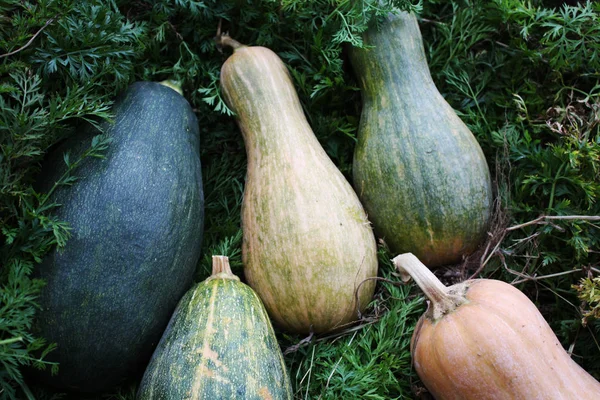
30, 40
543, 220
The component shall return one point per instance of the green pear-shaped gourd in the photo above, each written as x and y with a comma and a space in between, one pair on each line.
418, 170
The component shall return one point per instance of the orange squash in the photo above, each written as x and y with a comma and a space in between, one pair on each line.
484, 339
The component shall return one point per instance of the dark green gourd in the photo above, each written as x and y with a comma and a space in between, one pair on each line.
219, 345
418, 169
136, 219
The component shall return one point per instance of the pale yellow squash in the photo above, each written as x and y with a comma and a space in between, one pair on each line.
307, 243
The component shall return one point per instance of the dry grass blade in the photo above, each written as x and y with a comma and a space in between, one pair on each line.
544, 219
51, 20
498, 233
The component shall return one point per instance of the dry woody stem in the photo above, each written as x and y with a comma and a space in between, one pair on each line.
221, 268
51, 20
443, 300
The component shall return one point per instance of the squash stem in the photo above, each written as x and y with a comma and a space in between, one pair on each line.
221, 268
224, 40
442, 299
175, 85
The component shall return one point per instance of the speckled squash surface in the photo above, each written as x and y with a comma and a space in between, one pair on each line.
307, 243
418, 170
136, 219
219, 345
483, 339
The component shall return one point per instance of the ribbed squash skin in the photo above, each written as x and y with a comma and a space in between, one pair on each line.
307, 243
418, 170
494, 346
497, 347
136, 219
219, 345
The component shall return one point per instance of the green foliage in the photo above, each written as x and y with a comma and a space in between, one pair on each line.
566, 38
17, 299
30, 123
589, 293
521, 74
75, 49
368, 362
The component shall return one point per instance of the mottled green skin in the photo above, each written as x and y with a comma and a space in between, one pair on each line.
307, 243
219, 345
418, 170
137, 219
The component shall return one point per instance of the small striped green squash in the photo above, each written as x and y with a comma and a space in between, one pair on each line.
307, 243
418, 169
218, 345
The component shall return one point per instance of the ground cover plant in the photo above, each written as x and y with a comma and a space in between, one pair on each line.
523, 75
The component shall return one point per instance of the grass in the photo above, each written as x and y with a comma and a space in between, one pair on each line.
370, 361
524, 76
